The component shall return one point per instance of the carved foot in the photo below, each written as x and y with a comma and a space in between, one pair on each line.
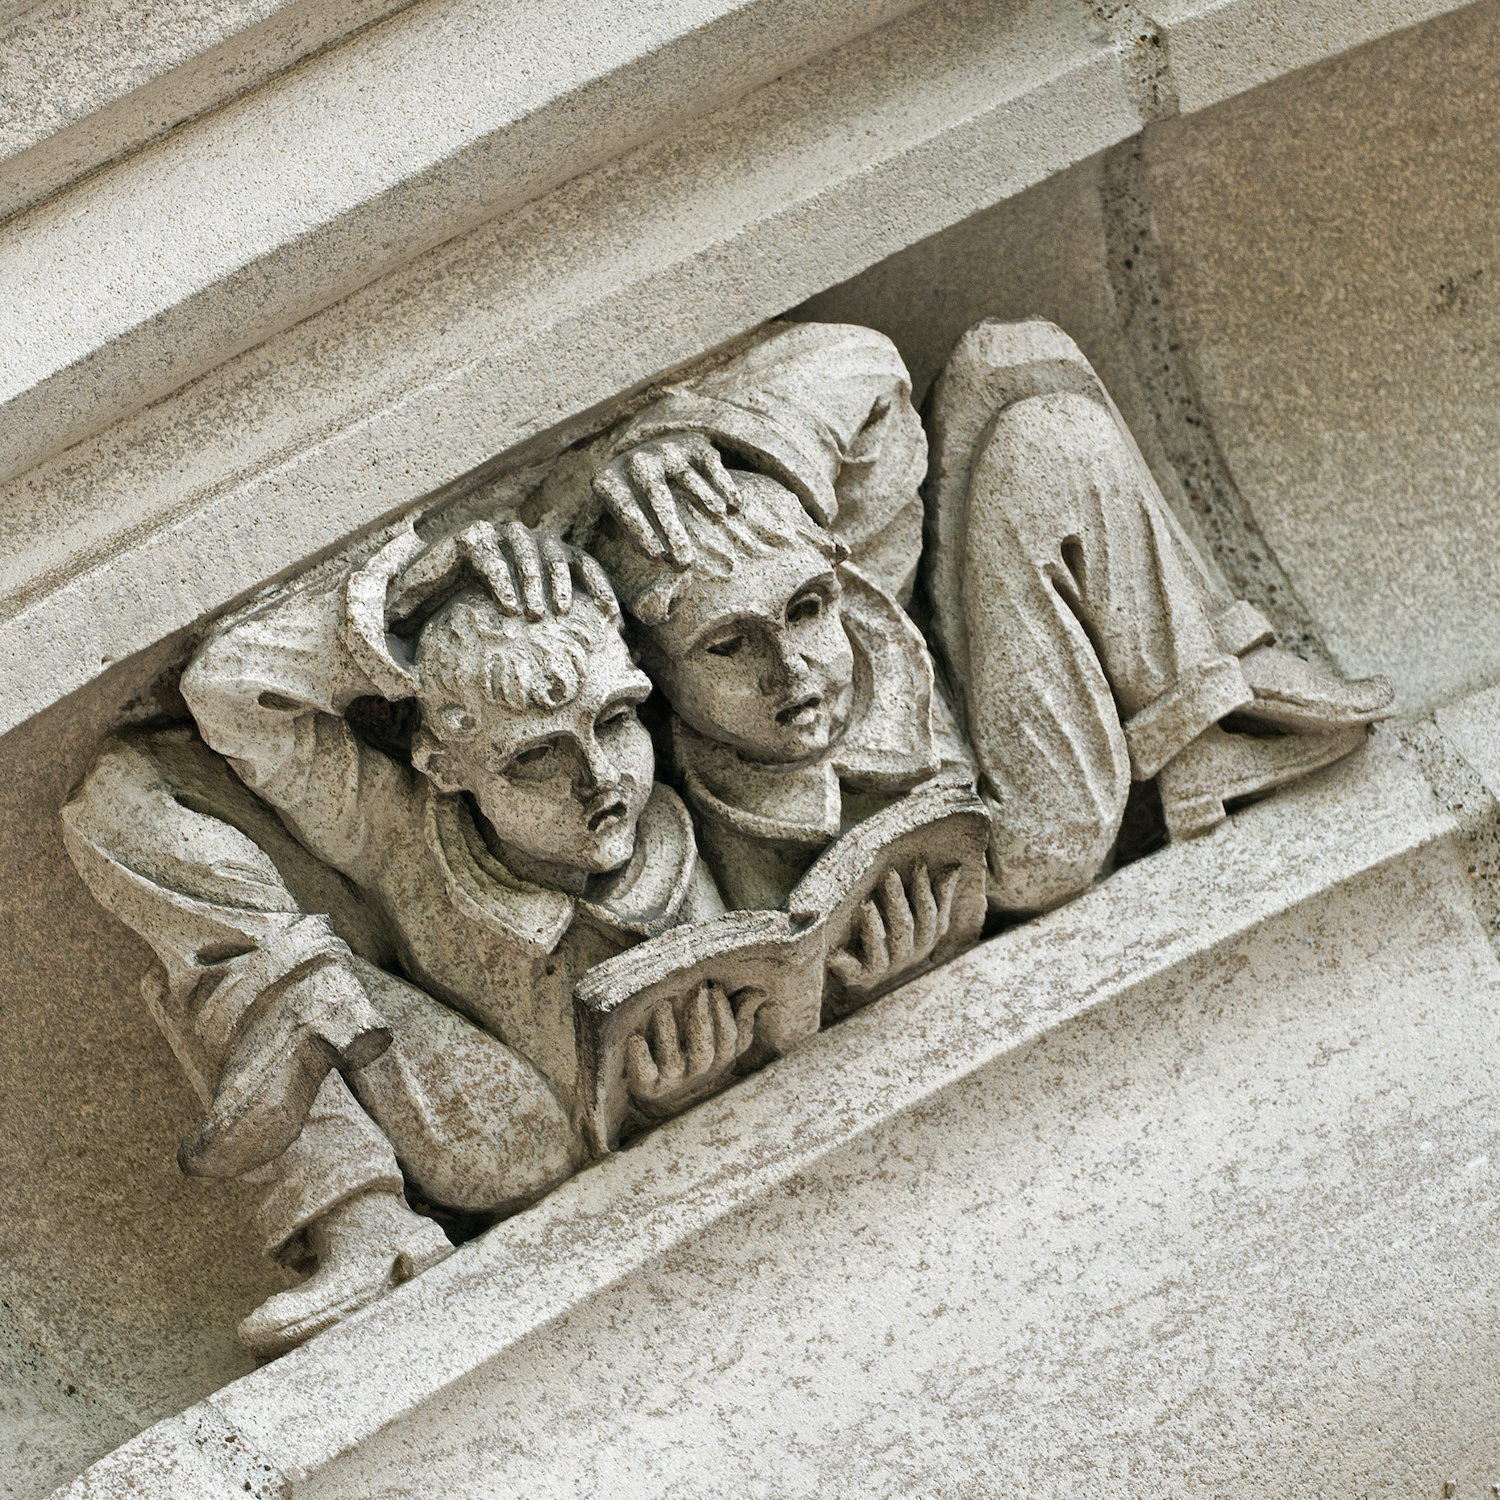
1220, 767
365, 1246
1290, 694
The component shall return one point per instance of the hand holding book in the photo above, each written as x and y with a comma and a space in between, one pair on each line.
899, 932
666, 1065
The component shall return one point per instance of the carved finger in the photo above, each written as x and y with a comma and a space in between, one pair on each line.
649, 476
744, 1021
483, 549
700, 489
946, 892
640, 1071
595, 582
624, 505
664, 1044
520, 543
872, 939
434, 568
925, 910
900, 928
848, 968
717, 475
559, 573
726, 1033
700, 1034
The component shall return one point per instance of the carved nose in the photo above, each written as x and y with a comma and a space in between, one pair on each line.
789, 663
593, 770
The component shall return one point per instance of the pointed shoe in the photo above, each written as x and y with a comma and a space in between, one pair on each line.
1220, 767
1292, 694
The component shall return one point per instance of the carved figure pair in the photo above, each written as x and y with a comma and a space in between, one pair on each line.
372, 928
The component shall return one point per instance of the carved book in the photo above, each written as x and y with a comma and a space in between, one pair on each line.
774, 965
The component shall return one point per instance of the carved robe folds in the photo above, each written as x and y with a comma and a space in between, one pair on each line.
476, 1092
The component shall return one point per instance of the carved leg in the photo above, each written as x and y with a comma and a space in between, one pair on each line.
1088, 642
1091, 656
475, 1125
475, 1128
264, 1000
336, 1194
220, 915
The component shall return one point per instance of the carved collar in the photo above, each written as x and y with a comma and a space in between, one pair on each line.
644, 898
888, 747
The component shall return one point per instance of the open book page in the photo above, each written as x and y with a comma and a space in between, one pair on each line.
756, 959
773, 967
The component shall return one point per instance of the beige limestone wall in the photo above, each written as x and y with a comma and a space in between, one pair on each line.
123, 1279
1229, 1236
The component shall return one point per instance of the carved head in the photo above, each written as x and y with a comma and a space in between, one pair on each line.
746, 642
536, 718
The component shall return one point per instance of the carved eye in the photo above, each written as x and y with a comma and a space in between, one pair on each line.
616, 717
727, 647
530, 764
808, 607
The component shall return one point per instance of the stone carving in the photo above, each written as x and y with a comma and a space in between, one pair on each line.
432, 933
1090, 643
525, 840
902, 890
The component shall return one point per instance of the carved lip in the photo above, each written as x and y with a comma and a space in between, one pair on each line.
802, 711
611, 812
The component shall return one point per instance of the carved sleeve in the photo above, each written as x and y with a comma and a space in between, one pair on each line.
210, 901
269, 690
826, 409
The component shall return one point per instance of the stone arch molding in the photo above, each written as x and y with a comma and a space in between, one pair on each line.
414, 983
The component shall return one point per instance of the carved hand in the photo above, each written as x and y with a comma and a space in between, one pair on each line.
516, 563
901, 936
637, 490
662, 1069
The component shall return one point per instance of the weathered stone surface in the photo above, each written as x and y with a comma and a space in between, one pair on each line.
498, 335
1038, 1044
1325, 308
87, 83
1283, 1032
1227, 1234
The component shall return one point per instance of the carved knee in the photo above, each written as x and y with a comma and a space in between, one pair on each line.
1036, 872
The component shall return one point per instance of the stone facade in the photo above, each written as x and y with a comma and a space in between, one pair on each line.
1181, 1185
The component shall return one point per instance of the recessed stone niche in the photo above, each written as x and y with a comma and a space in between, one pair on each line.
1184, 1186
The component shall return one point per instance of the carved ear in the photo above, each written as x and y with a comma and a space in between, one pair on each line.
365, 633
429, 757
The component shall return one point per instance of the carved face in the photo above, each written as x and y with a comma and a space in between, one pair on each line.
564, 785
759, 660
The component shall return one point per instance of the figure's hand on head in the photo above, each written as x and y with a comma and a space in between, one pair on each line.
662, 1065
900, 936
637, 489
528, 572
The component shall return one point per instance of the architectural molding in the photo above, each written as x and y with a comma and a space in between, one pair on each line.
496, 336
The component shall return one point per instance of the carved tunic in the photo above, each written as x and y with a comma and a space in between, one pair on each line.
270, 690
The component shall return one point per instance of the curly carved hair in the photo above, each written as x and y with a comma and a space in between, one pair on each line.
470, 649
770, 518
